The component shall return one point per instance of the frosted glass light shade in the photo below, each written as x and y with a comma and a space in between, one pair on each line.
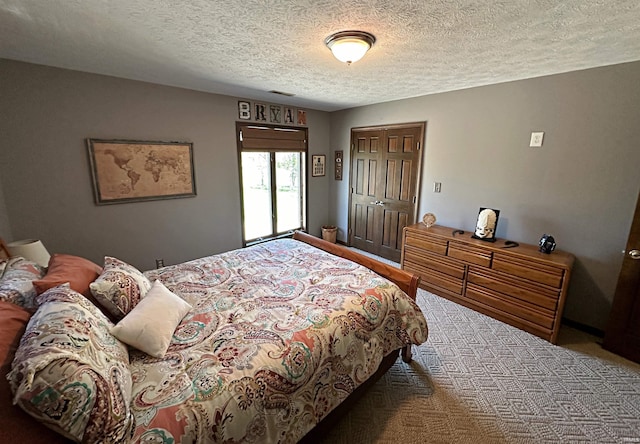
31, 249
350, 46
349, 50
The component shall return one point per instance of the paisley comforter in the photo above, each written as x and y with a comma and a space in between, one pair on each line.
279, 334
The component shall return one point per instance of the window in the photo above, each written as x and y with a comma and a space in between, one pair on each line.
272, 180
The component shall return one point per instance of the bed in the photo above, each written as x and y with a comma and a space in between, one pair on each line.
269, 343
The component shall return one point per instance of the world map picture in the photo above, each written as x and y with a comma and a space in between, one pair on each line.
131, 170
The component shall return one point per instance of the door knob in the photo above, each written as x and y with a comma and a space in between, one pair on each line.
634, 254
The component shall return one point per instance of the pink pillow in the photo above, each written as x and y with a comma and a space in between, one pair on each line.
77, 271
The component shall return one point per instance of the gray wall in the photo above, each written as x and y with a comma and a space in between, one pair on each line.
5, 227
45, 116
581, 186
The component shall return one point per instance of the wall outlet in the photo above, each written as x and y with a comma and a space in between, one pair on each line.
536, 139
437, 187
159, 263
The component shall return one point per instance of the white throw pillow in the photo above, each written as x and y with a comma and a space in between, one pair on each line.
150, 325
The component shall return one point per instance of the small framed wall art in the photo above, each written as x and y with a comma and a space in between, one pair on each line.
288, 116
244, 110
338, 166
260, 114
302, 117
486, 224
318, 162
275, 113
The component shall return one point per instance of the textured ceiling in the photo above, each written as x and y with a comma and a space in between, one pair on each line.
248, 48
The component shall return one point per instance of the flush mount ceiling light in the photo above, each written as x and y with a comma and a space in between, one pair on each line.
349, 46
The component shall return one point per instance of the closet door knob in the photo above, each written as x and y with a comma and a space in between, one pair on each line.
634, 254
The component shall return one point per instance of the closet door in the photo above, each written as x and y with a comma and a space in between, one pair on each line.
385, 171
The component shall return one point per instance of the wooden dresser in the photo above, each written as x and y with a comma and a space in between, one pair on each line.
516, 284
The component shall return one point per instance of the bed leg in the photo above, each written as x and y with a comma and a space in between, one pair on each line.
406, 353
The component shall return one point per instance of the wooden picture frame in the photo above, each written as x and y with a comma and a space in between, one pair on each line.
132, 171
318, 165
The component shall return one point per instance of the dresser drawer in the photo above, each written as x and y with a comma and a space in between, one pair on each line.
507, 304
433, 261
426, 242
431, 277
470, 254
534, 271
539, 295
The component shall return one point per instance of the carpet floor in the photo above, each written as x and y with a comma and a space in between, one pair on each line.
478, 380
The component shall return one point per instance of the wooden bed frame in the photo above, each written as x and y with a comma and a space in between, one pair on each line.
406, 281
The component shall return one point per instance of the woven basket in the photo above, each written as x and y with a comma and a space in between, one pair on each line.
329, 233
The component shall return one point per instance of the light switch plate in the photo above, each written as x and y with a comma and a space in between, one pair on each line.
536, 139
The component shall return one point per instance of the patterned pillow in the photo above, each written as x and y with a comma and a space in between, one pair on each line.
120, 287
16, 285
13, 321
70, 373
